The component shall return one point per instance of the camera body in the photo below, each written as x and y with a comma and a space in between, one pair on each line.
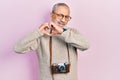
60, 67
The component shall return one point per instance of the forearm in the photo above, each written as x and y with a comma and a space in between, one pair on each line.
75, 39
28, 43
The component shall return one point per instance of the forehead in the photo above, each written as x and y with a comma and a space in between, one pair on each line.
62, 10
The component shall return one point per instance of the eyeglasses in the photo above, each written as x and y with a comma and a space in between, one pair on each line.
61, 16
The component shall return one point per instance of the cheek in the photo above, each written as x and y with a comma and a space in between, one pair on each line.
56, 20
66, 22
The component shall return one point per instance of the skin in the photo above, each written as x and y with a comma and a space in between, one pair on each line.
57, 24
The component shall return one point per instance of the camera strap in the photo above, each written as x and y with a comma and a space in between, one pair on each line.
50, 45
51, 51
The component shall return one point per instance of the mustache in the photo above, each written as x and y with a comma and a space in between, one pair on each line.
61, 22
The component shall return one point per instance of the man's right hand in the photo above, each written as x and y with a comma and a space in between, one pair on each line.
44, 29
50, 29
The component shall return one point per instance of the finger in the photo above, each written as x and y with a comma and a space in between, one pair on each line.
49, 25
52, 25
44, 25
46, 28
56, 27
46, 33
54, 32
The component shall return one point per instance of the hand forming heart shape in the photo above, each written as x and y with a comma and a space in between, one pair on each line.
50, 29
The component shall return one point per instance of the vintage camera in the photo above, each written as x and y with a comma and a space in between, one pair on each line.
60, 68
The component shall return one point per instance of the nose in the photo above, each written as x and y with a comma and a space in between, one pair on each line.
63, 19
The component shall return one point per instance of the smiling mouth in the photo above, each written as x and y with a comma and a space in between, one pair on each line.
61, 24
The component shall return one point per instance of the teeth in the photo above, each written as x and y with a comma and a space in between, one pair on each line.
61, 23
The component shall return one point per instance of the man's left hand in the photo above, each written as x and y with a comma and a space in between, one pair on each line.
55, 29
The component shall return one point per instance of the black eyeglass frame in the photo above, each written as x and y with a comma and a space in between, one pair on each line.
61, 16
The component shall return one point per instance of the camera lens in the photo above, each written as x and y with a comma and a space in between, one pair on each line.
62, 68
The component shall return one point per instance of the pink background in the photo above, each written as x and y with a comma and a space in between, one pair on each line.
97, 20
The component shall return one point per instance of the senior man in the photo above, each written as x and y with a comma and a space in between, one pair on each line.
56, 46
